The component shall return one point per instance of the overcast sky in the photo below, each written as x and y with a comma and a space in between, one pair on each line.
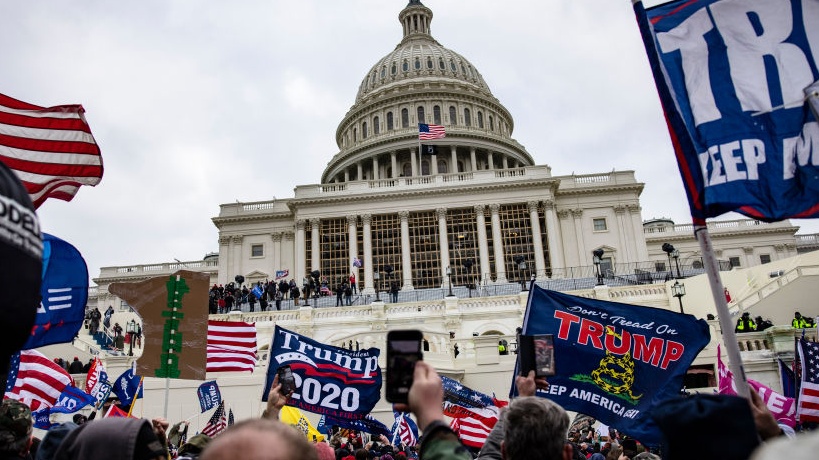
200, 103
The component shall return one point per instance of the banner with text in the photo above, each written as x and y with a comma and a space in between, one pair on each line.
209, 395
736, 80
614, 361
329, 380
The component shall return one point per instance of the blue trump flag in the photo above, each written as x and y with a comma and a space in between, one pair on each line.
64, 293
455, 392
128, 387
614, 361
734, 79
368, 424
71, 400
332, 381
209, 395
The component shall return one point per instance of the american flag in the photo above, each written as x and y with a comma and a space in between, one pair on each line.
231, 420
472, 425
231, 346
807, 409
404, 430
217, 423
428, 132
36, 380
50, 149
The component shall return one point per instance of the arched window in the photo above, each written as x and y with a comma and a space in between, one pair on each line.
441, 64
461, 166
393, 69
407, 170
436, 114
389, 121
421, 118
417, 63
491, 123
425, 168
364, 130
453, 115
355, 134
442, 167
467, 117
480, 119
383, 72
430, 65
405, 66
404, 118
453, 67
376, 126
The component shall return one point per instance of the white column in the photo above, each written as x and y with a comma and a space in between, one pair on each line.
553, 237
375, 168
540, 261
472, 159
623, 233
277, 253
360, 170
433, 165
640, 250
454, 153
416, 168
352, 220
346, 175
497, 239
406, 262
237, 256
483, 247
505, 161
315, 262
490, 158
300, 250
443, 242
366, 219
226, 260
394, 162
584, 258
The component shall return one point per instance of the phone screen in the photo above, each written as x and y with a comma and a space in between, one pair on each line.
403, 351
544, 355
286, 379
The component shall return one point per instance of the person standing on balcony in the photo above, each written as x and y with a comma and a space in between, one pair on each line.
798, 321
745, 324
353, 284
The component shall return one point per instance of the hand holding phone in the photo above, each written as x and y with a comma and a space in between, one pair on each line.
286, 380
403, 351
537, 353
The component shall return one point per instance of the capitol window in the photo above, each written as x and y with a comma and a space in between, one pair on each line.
430, 65
383, 72
441, 64
376, 126
405, 66
404, 118
421, 118
393, 69
453, 66
417, 63
257, 250
491, 123
389, 121
453, 115
467, 117
600, 224
436, 114
480, 119
364, 130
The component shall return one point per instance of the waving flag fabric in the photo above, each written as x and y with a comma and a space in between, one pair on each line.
735, 79
217, 422
457, 393
64, 293
50, 149
429, 132
231, 346
472, 425
404, 430
368, 424
36, 380
808, 406
71, 400
330, 380
96, 382
128, 387
614, 361
291, 416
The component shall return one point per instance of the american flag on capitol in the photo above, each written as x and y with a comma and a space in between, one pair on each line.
807, 409
217, 423
51, 149
231, 346
36, 380
428, 132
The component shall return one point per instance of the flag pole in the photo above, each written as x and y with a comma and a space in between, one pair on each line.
420, 168
729, 337
136, 394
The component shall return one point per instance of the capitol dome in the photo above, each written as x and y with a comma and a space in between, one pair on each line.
421, 81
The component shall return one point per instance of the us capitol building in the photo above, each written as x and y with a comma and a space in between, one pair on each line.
462, 232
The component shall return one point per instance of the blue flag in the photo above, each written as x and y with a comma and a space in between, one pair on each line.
788, 379
71, 400
455, 392
404, 430
64, 293
209, 395
341, 383
734, 81
368, 424
614, 361
42, 419
257, 291
127, 387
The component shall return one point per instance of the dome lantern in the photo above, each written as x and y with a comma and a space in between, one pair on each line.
415, 19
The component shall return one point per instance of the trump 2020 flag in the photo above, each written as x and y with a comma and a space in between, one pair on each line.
209, 395
614, 361
341, 383
734, 80
71, 400
64, 292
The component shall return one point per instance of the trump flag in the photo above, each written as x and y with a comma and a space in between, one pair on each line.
614, 361
736, 81
330, 380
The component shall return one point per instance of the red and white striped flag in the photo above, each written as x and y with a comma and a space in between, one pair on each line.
217, 423
231, 346
36, 380
51, 149
808, 403
472, 425
429, 132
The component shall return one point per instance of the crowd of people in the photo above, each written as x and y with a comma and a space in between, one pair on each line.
530, 427
746, 324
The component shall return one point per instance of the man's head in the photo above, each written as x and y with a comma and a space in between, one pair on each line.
15, 427
797, 314
746, 315
535, 428
260, 439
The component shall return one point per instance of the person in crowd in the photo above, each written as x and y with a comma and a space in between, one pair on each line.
116, 437
353, 284
279, 297
251, 300
76, 366
94, 325
745, 324
117, 329
348, 294
107, 317
294, 293
762, 324
340, 294
230, 300
798, 321
192, 449
426, 397
394, 292
87, 366
16, 430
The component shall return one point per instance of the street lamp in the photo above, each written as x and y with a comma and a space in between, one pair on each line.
521, 261
468, 264
668, 248
676, 255
130, 328
597, 258
376, 278
678, 289
449, 278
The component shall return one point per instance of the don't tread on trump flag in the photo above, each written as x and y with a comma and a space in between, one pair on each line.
614, 361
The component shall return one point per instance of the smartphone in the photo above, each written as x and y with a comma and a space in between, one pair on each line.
286, 379
537, 353
403, 351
